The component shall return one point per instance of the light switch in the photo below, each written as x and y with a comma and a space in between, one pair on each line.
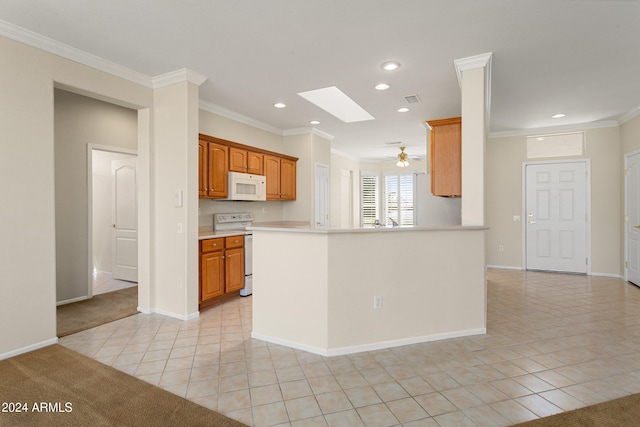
516, 218
178, 198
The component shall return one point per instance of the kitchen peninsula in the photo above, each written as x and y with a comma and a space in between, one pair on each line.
342, 291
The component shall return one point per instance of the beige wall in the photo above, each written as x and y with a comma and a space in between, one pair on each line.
504, 198
309, 284
28, 245
79, 121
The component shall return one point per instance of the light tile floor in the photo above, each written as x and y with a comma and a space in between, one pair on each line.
555, 342
104, 282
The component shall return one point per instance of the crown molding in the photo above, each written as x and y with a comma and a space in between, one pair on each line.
472, 62
229, 114
178, 76
307, 130
483, 60
630, 115
47, 44
555, 129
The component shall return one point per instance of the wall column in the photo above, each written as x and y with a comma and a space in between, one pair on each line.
474, 76
175, 228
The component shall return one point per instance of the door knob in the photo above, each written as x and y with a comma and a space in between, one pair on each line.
531, 222
636, 226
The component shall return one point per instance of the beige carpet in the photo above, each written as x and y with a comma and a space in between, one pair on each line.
76, 390
622, 412
100, 309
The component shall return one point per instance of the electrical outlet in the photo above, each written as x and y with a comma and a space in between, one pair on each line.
500, 248
179, 283
377, 302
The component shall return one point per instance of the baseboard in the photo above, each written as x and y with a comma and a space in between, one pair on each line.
28, 348
340, 351
614, 276
505, 267
176, 315
69, 301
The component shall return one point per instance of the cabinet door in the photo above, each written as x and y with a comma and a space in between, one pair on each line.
203, 171
254, 163
272, 172
218, 171
446, 157
237, 160
234, 269
287, 179
211, 275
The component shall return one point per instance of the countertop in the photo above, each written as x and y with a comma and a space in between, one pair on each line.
210, 234
369, 229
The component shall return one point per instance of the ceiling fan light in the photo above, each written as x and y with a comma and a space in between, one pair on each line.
403, 161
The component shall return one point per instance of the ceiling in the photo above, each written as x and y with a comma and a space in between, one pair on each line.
577, 57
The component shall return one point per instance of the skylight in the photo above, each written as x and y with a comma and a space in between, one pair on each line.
337, 103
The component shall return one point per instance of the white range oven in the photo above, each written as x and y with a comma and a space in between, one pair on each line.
239, 222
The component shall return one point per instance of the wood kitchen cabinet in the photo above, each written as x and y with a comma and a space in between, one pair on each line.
221, 267
446, 157
281, 177
212, 170
211, 269
245, 161
217, 157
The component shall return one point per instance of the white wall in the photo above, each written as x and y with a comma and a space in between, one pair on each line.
79, 121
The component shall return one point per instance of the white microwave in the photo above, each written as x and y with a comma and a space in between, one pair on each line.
245, 186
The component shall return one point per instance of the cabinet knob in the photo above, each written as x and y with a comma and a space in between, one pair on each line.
222, 256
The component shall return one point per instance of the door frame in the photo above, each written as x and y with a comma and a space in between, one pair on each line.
90, 149
523, 216
626, 213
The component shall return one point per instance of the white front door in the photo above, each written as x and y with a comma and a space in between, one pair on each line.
556, 217
125, 220
322, 196
632, 223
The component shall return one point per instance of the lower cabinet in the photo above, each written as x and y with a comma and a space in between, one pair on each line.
221, 266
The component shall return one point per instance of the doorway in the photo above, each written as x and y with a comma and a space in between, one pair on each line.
113, 244
632, 217
556, 207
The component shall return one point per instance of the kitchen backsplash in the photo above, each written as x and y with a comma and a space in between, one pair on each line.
262, 211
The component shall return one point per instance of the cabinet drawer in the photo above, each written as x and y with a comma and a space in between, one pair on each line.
210, 245
234, 242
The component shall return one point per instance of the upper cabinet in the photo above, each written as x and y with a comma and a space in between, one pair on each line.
245, 161
446, 157
212, 170
218, 157
281, 177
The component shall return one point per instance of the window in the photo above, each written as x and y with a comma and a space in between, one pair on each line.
388, 199
369, 196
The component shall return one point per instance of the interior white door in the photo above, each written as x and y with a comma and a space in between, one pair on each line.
556, 215
346, 198
322, 196
632, 224
125, 220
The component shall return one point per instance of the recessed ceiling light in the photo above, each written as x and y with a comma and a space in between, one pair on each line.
314, 122
558, 116
390, 65
403, 110
279, 105
382, 86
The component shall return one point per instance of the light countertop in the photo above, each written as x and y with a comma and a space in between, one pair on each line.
368, 230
